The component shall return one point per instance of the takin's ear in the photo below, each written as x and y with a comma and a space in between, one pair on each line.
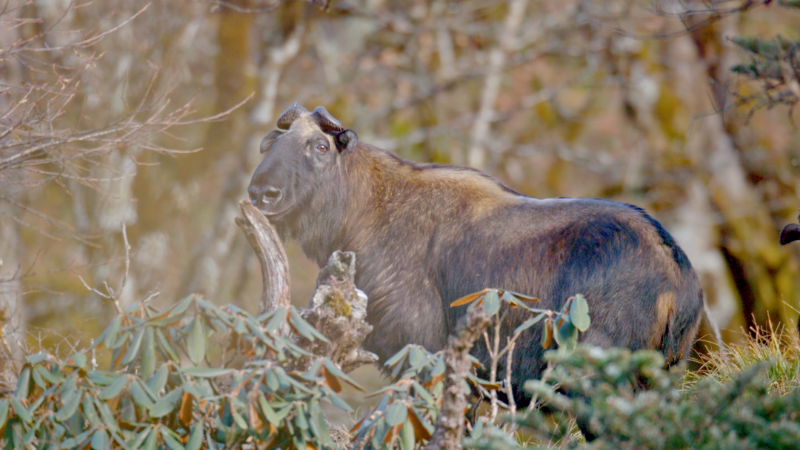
346, 141
790, 234
268, 140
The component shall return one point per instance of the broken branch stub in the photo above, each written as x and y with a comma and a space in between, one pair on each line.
339, 311
271, 255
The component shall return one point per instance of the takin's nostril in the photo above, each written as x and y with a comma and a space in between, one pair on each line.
271, 194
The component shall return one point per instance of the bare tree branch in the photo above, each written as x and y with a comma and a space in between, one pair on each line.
476, 155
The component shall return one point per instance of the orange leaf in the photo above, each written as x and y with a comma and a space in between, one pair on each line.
186, 408
469, 298
121, 354
393, 432
527, 298
420, 432
331, 380
255, 419
294, 330
243, 383
234, 341
113, 403
168, 311
548, 333
358, 424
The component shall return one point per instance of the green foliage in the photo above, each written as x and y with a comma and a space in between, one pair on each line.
628, 400
197, 375
774, 64
409, 406
487, 436
243, 385
767, 48
562, 325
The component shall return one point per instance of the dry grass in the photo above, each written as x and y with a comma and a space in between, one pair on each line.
774, 343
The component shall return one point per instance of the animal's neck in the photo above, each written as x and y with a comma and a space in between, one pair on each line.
371, 179
379, 178
349, 208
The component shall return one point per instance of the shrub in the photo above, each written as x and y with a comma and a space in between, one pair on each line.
244, 389
773, 67
627, 400
197, 375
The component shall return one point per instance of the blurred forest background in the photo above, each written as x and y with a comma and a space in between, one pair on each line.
149, 114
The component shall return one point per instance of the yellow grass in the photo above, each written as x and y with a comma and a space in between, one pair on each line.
774, 343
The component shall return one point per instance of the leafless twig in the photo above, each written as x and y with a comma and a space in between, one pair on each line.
110, 293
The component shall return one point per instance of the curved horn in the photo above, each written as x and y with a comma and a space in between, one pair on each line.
325, 120
290, 115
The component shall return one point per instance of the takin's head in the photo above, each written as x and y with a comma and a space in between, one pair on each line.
302, 155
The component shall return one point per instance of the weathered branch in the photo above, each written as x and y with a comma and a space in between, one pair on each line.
450, 426
271, 255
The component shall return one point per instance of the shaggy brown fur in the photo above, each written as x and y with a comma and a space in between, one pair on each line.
427, 234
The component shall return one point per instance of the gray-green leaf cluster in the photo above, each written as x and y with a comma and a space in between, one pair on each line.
193, 376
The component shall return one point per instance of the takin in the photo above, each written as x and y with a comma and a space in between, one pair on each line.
425, 235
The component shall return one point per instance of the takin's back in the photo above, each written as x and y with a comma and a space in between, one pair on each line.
477, 233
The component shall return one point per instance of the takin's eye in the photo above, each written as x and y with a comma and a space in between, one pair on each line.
322, 148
